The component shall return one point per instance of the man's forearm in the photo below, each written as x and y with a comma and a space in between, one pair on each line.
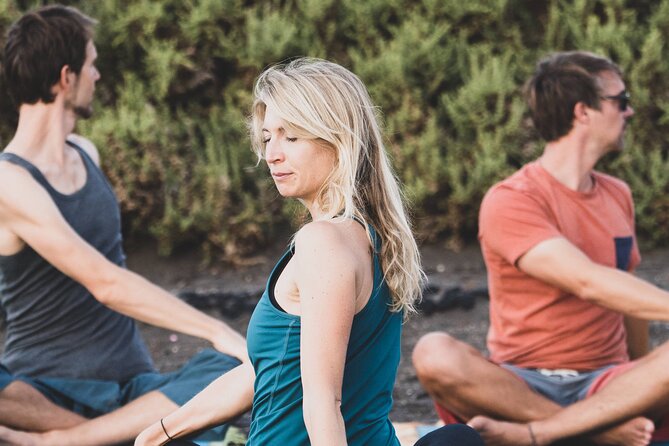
132, 295
626, 293
638, 337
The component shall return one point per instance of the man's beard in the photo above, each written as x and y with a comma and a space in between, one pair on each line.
80, 111
621, 139
83, 112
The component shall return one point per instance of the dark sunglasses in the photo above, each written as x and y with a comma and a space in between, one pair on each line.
623, 99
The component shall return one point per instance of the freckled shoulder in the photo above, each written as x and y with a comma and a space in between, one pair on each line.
316, 238
318, 231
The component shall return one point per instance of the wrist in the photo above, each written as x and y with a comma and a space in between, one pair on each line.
539, 436
162, 424
152, 435
217, 331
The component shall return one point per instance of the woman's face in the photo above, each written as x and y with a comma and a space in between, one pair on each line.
299, 166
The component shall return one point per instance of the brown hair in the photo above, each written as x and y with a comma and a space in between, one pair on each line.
561, 81
39, 45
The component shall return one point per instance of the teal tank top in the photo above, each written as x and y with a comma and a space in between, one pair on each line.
372, 359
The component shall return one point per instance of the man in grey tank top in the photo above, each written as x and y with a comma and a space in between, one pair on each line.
74, 368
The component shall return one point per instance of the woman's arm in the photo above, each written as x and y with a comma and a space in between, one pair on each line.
325, 275
224, 399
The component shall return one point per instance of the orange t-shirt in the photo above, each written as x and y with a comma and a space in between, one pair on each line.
533, 324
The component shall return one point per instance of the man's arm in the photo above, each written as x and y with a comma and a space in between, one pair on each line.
28, 211
638, 337
559, 263
86, 145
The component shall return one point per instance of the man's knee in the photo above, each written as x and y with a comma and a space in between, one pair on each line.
440, 357
19, 390
659, 358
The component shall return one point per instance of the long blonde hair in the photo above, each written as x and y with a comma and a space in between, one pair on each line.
321, 100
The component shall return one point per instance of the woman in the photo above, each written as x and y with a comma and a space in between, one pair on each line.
324, 340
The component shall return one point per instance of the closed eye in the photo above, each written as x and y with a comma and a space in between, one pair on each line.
291, 139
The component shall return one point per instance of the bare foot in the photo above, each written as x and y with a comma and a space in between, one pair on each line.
501, 433
18, 438
635, 432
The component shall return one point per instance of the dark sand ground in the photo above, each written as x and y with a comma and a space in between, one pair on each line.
444, 267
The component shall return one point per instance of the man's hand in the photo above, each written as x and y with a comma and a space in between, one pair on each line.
232, 343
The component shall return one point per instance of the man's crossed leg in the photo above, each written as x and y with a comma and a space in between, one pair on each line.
62, 412
620, 405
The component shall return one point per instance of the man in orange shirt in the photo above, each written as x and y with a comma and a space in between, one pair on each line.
567, 318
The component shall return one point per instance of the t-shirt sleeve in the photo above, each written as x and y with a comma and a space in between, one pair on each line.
511, 222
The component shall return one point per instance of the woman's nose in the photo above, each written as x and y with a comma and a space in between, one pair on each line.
273, 152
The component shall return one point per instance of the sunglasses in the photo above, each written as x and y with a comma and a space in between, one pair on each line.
623, 99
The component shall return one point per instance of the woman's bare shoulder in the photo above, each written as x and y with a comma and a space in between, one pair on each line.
321, 240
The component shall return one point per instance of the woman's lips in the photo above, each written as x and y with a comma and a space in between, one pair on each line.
280, 175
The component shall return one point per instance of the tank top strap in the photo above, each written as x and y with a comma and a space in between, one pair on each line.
84, 155
376, 242
27, 165
375, 239
93, 172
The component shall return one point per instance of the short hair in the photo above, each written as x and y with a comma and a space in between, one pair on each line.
560, 81
324, 102
39, 45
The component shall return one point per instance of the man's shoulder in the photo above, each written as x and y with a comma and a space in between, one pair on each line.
611, 182
13, 178
86, 145
514, 202
17, 188
521, 183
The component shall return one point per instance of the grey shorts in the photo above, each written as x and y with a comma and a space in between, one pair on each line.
563, 387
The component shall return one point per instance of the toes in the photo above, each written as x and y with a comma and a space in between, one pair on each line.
479, 422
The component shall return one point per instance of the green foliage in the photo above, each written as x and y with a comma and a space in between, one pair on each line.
176, 89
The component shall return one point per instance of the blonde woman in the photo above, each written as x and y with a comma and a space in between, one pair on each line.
324, 340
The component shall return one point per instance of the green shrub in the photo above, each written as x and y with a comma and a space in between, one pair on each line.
176, 89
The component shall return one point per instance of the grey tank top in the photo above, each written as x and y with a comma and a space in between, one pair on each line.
54, 326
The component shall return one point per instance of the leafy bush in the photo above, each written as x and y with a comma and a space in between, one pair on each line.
176, 89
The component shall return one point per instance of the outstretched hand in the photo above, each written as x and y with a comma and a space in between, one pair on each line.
230, 342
